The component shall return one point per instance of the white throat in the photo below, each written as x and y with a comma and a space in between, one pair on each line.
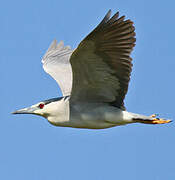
59, 111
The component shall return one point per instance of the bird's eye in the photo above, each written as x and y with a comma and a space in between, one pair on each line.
41, 106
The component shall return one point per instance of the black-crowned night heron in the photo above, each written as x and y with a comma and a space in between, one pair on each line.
93, 78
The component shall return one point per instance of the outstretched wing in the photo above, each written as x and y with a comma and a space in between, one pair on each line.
101, 64
56, 63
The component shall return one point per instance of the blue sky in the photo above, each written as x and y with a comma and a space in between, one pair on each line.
31, 148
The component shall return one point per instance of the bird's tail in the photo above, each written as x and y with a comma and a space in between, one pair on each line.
152, 120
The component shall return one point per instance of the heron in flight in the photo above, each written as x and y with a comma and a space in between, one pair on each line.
93, 79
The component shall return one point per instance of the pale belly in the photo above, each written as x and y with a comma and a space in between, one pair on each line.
93, 116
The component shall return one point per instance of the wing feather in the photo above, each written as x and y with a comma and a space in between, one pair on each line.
101, 64
56, 63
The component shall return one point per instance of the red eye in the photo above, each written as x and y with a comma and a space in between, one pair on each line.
41, 106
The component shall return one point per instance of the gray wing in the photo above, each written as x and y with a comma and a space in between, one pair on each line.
101, 64
56, 63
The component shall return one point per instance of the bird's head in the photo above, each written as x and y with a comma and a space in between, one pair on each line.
44, 108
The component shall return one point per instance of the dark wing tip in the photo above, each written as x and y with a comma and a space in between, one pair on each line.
113, 18
108, 15
105, 19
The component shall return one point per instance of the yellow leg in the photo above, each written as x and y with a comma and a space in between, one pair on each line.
160, 121
152, 121
154, 115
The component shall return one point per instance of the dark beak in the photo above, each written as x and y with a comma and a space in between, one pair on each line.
29, 110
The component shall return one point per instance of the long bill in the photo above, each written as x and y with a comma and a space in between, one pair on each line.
29, 110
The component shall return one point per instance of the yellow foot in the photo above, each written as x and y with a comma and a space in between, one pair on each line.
154, 115
160, 121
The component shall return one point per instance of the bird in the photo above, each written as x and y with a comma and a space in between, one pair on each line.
93, 79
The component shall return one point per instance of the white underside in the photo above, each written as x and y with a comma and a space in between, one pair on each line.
90, 115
